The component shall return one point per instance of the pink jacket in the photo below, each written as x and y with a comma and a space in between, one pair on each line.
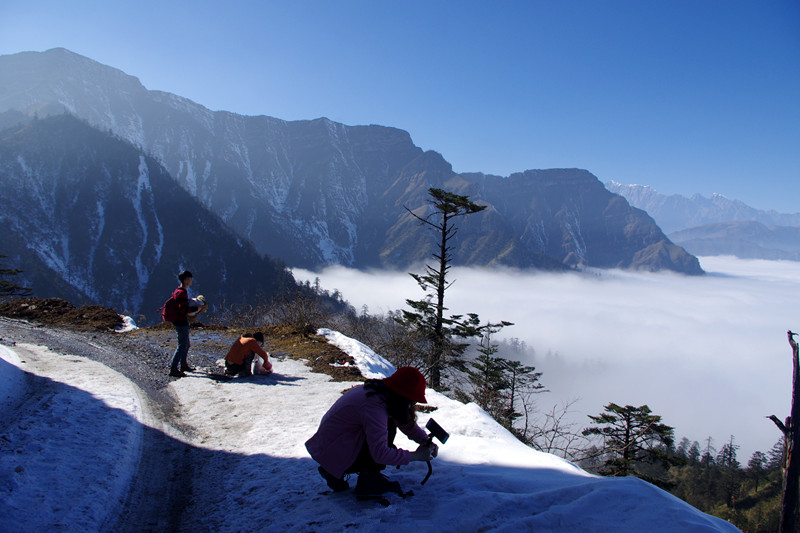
354, 418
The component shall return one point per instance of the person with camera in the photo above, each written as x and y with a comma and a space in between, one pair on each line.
357, 433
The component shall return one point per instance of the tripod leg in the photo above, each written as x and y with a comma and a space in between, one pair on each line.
430, 471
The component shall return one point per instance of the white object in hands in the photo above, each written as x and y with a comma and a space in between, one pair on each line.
258, 366
199, 305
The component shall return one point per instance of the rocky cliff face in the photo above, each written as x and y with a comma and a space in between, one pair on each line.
316, 192
567, 214
91, 218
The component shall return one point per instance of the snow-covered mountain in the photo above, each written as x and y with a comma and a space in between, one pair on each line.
675, 212
718, 225
90, 218
318, 193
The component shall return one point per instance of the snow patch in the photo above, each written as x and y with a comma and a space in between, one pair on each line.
371, 365
572, 224
128, 324
142, 186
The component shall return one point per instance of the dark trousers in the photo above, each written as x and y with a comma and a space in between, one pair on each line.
364, 462
233, 369
179, 358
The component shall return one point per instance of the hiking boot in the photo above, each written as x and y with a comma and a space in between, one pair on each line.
187, 368
175, 373
373, 484
336, 484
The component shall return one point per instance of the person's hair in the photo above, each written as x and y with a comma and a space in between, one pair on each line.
400, 408
183, 275
257, 336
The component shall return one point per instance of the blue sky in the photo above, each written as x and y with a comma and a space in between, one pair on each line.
688, 97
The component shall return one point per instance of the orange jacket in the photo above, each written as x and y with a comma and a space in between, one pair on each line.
242, 347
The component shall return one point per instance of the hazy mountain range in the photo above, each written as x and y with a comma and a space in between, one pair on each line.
308, 193
748, 240
718, 225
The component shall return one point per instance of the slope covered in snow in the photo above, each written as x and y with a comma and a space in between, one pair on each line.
252, 472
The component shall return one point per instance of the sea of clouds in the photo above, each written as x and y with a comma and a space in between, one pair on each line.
709, 353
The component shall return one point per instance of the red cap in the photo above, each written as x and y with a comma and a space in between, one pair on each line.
409, 382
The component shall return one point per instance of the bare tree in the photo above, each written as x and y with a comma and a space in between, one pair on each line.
557, 434
791, 436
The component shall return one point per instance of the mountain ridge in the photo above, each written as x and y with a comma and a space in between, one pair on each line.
316, 192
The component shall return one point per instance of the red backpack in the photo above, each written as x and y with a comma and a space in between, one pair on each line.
169, 311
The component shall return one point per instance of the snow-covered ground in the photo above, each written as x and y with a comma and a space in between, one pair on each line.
69, 459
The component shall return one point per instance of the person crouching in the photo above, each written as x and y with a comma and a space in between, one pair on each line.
240, 357
356, 435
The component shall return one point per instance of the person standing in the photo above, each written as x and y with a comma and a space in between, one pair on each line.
179, 365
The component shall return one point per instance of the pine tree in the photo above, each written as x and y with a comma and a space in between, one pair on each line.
486, 373
682, 451
707, 458
729, 466
498, 383
631, 435
427, 315
727, 455
756, 467
693, 455
776, 457
521, 380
